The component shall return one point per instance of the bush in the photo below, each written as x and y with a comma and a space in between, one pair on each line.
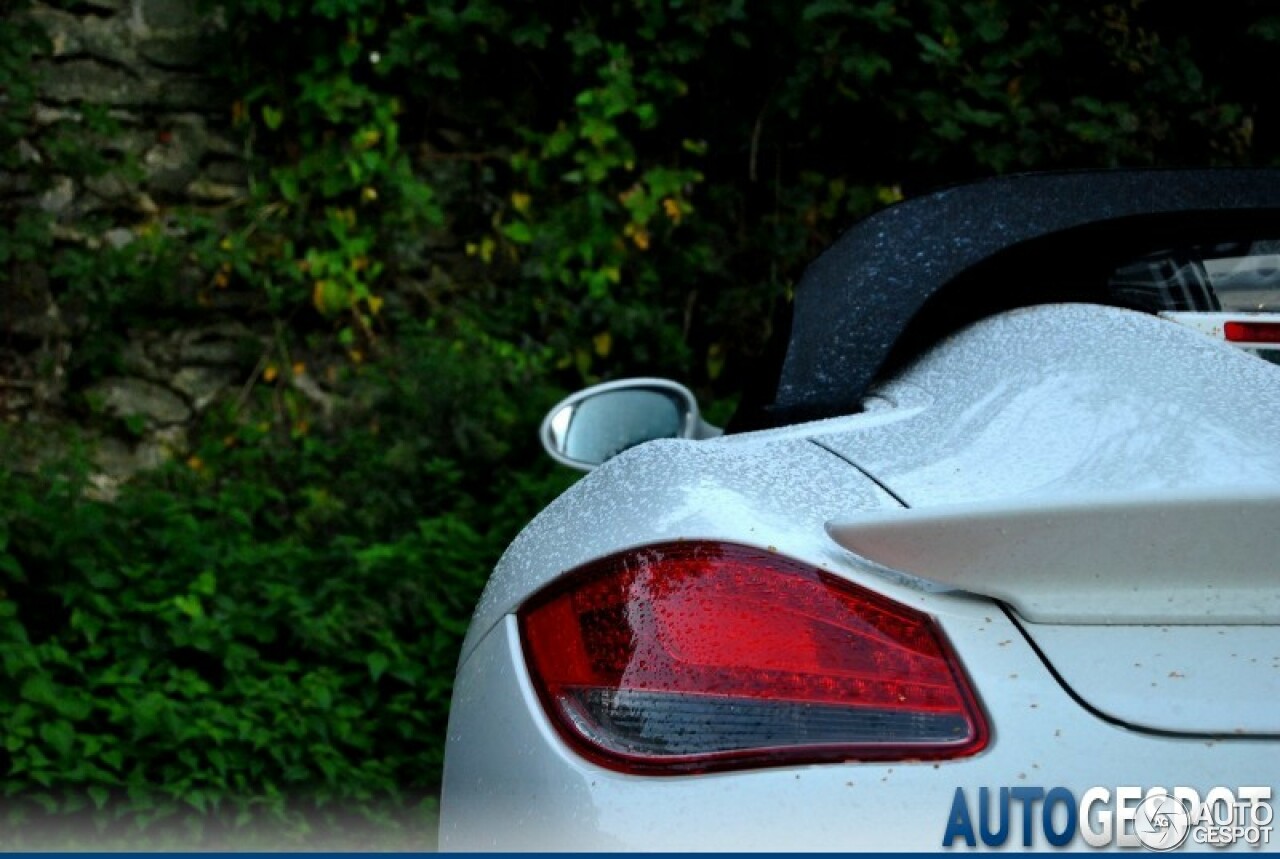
272, 625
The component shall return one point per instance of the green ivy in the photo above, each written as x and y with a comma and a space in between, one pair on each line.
266, 629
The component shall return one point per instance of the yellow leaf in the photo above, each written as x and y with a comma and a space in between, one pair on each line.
715, 360
520, 201
672, 208
269, 374
195, 463
368, 193
641, 238
375, 304
299, 368
603, 343
887, 194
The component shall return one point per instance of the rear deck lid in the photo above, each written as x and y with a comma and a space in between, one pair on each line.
1113, 479
1157, 610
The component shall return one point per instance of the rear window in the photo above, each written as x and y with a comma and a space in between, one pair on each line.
1241, 277
1236, 278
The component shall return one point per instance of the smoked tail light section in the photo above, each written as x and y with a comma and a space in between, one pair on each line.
696, 656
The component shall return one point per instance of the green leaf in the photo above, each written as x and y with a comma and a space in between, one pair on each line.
330, 297
9, 564
272, 117
518, 232
59, 735
1267, 28
206, 584
114, 758
189, 605
39, 689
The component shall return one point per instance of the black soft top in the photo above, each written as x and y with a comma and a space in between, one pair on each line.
909, 274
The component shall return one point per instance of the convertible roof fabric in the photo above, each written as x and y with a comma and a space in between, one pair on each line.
855, 301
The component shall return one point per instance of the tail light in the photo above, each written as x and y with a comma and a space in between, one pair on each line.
694, 656
1252, 332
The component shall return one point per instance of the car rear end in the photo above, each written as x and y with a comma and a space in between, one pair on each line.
678, 655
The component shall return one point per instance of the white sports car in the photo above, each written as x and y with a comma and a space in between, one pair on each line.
991, 558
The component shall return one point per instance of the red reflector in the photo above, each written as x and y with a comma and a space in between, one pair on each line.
685, 657
1252, 332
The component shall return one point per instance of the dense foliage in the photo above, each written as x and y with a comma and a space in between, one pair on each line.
459, 210
270, 625
653, 176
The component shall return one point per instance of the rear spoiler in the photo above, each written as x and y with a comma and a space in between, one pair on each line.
1175, 557
856, 301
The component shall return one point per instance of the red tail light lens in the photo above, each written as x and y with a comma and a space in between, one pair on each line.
1252, 332
685, 657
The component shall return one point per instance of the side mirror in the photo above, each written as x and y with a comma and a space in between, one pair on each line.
602, 421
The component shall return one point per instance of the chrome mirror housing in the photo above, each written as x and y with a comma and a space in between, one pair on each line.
597, 423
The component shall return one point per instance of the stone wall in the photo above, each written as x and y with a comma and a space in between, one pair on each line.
141, 61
